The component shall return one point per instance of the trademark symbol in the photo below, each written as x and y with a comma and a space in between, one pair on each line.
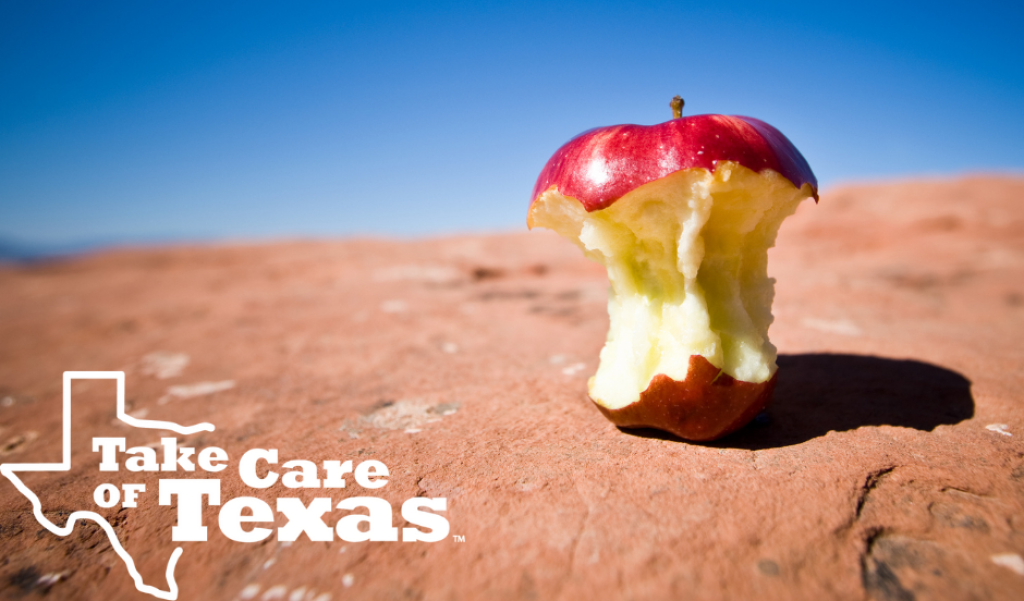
458, 538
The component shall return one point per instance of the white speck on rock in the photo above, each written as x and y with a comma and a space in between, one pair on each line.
249, 592
275, 592
7, 401
188, 391
843, 327
413, 430
323, 597
47, 580
348, 580
297, 594
573, 369
528, 484
999, 429
406, 414
164, 365
431, 274
1009, 560
557, 359
450, 347
269, 562
394, 306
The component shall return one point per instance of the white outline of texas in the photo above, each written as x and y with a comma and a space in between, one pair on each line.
8, 469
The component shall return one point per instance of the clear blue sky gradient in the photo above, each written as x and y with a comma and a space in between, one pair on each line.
145, 120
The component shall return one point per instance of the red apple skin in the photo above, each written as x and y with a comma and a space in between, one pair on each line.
707, 405
602, 165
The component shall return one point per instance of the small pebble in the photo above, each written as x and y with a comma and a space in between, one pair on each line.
348, 580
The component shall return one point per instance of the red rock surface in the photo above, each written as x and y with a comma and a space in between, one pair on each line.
461, 363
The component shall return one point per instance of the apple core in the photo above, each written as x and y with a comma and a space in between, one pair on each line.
687, 262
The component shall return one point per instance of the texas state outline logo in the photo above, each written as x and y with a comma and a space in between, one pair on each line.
239, 518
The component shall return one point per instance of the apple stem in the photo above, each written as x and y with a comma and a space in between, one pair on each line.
677, 107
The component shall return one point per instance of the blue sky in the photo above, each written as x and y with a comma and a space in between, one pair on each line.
144, 121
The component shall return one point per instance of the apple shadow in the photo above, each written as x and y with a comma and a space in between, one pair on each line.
819, 392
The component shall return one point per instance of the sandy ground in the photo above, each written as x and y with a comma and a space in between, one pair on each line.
891, 465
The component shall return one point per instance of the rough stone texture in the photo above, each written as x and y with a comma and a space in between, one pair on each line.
879, 472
